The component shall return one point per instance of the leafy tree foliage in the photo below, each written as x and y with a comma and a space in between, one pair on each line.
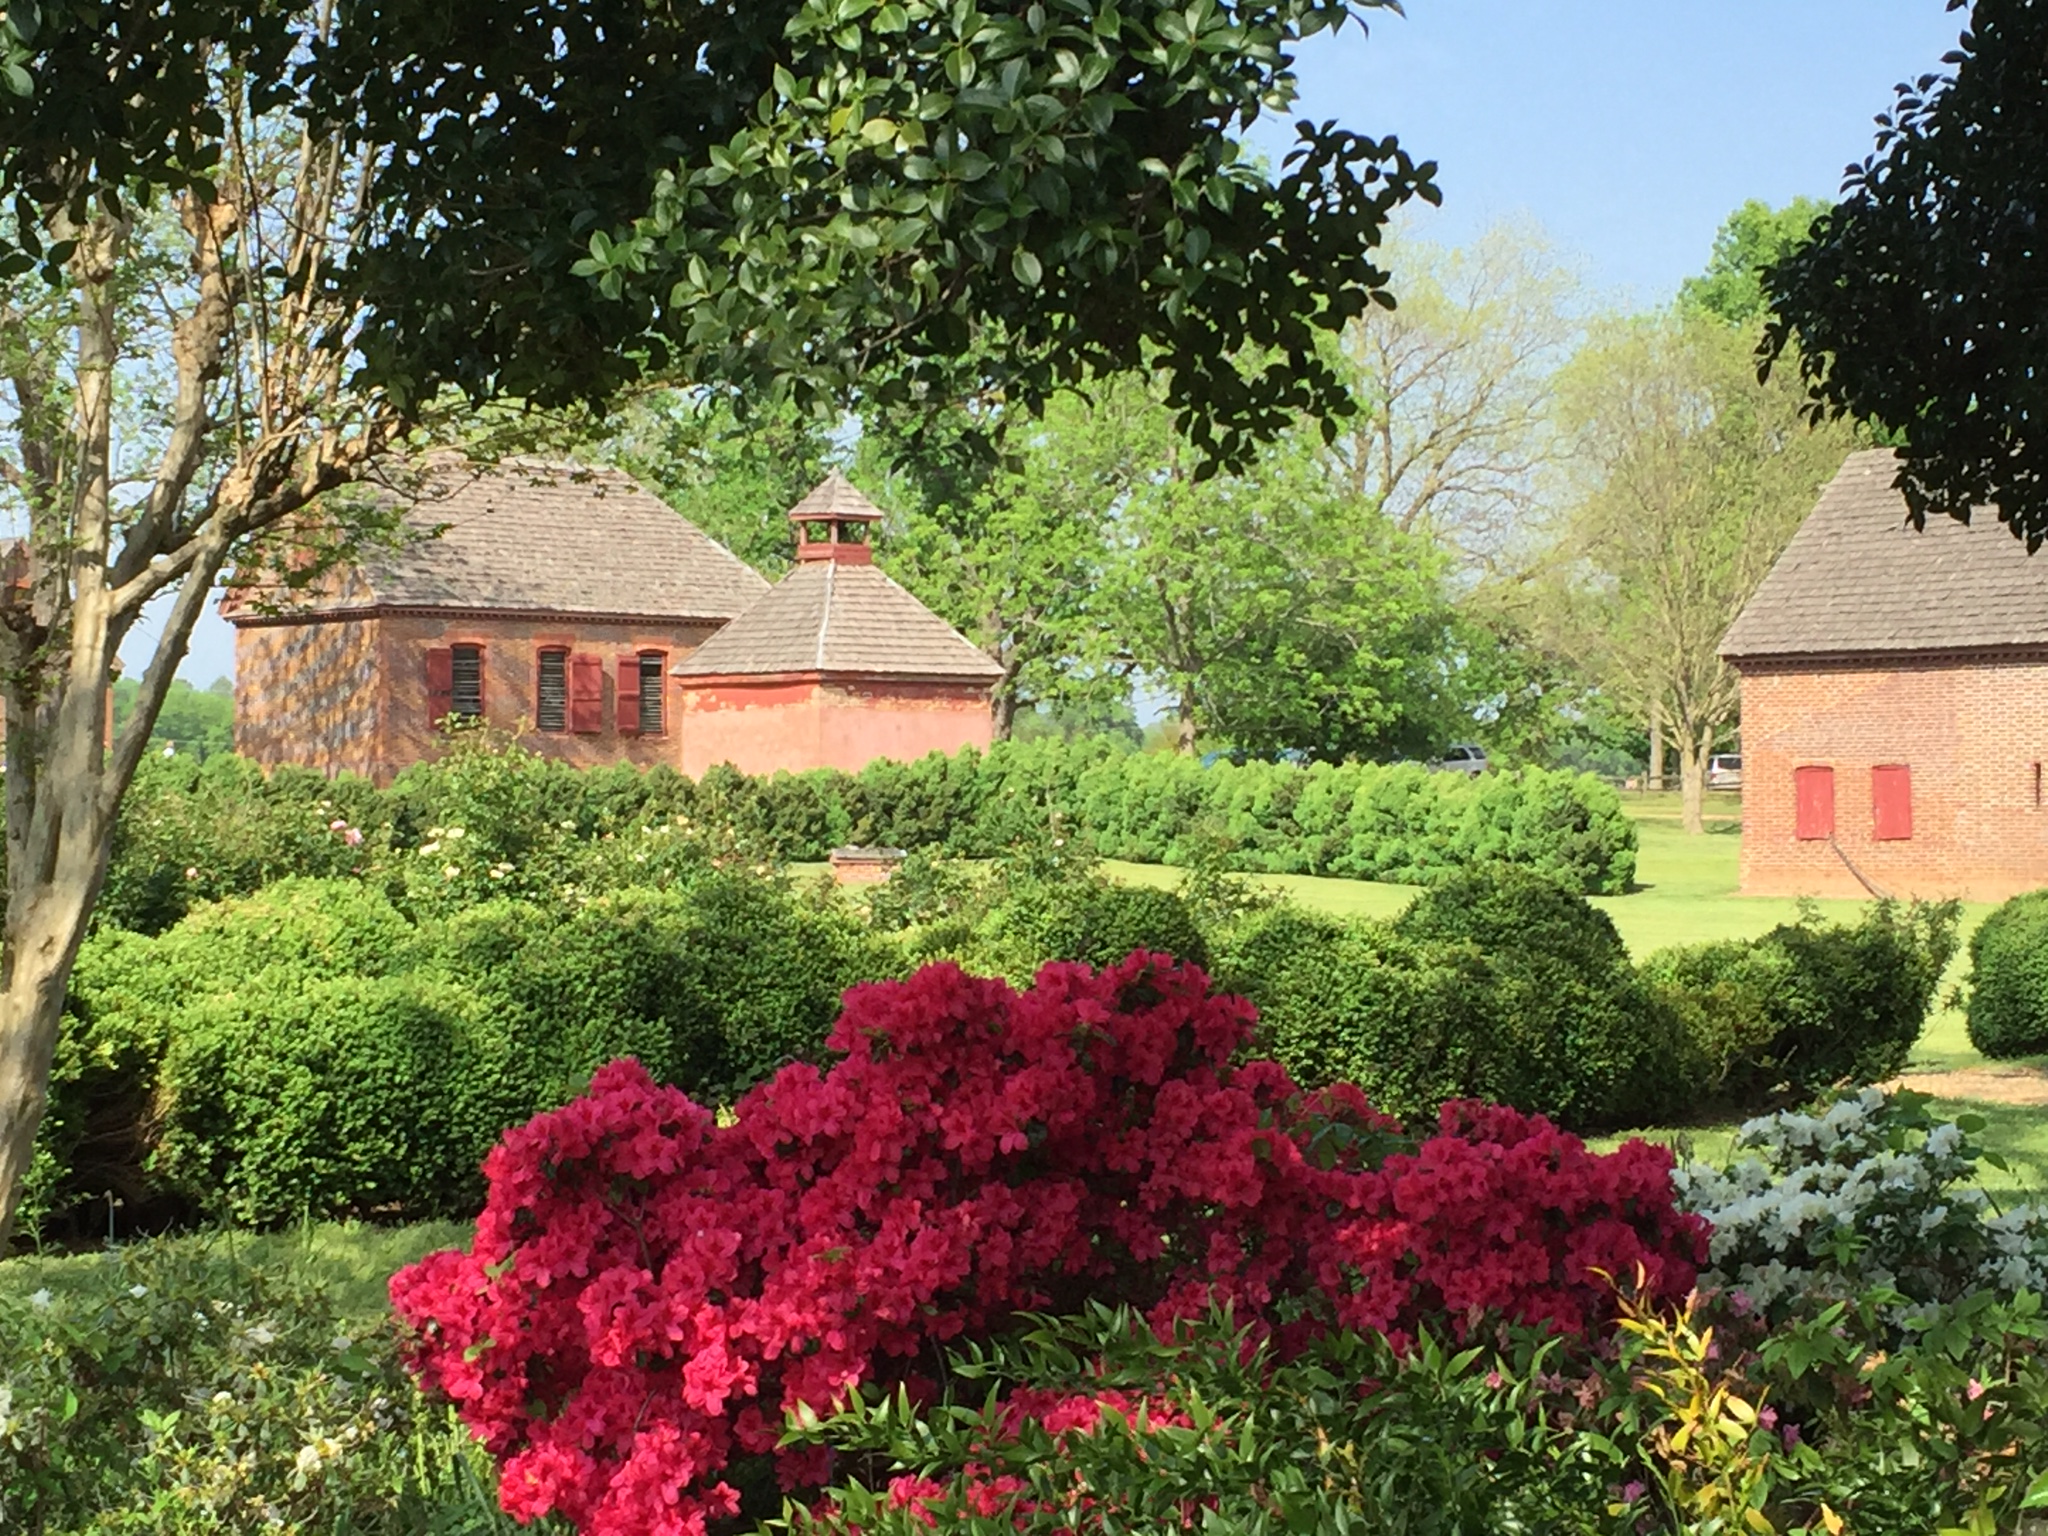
1922, 301
1754, 238
198, 722
1690, 476
1274, 608
735, 479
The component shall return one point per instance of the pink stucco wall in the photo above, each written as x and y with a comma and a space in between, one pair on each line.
760, 725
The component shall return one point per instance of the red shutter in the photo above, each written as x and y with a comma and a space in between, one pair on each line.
1813, 795
440, 684
629, 694
586, 694
1891, 803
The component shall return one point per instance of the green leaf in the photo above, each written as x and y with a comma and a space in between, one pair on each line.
1026, 267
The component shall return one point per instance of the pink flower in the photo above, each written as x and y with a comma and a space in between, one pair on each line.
679, 1286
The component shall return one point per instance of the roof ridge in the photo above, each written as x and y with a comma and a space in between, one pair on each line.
825, 612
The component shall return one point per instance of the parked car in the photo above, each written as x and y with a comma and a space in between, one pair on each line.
1724, 770
1461, 757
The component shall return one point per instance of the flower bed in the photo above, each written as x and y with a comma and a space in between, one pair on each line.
650, 1292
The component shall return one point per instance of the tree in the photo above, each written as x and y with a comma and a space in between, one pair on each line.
1011, 548
1452, 425
734, 478
200, 723
1921, 303
1689, 476
254, 255
1752, 239
1274, 610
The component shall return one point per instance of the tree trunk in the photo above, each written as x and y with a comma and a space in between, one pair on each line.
1656, 780
1003, 712
1184, 738
1694, 749
41, 947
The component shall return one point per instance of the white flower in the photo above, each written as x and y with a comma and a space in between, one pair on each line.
308, 1461
431, 847
260, 1336
40, 1300
451, 871
454, 833
138, 1291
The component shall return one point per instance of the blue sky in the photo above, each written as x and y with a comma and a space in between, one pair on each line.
1628, 129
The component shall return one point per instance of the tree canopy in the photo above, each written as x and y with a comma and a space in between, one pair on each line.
1921, 303
801, 196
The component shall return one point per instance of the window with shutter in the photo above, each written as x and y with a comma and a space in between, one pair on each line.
1813, 798
627, 692
466, 682
551, 691
1891, 803
586, 694
653, 692
440, 684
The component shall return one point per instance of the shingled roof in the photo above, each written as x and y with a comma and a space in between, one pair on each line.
1858, 579
828, 617
530, 536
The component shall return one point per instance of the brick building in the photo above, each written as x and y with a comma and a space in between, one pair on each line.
1894, 704
836, 666
552, 605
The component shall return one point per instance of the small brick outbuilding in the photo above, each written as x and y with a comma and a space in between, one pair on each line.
835, 667
1894, 704
552, 604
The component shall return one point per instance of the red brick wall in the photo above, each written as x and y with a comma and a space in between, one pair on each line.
760, 727
1970, 731
352, 695
308, 693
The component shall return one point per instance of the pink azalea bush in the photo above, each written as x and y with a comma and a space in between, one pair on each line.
649, 1292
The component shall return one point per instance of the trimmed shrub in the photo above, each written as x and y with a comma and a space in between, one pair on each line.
2008, 999
1102, 924
490, 820
1807, 1006
128, 992
285, 1099
1498, 984
309, 1051
1570, 1030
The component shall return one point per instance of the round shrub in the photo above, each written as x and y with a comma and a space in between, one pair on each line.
1409, 1023
1570, 1031
2008, 1006
1104, 924
285, 1100
127, 1001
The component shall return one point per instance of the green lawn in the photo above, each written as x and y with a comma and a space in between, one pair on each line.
354, 1262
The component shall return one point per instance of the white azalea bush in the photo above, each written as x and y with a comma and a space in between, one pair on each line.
1872, 1192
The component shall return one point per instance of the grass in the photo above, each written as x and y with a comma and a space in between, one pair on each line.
352, 1261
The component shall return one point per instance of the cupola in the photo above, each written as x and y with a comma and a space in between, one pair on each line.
836, 523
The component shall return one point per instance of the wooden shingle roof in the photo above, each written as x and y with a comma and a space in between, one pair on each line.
1858, 579
531, 536
831, 618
